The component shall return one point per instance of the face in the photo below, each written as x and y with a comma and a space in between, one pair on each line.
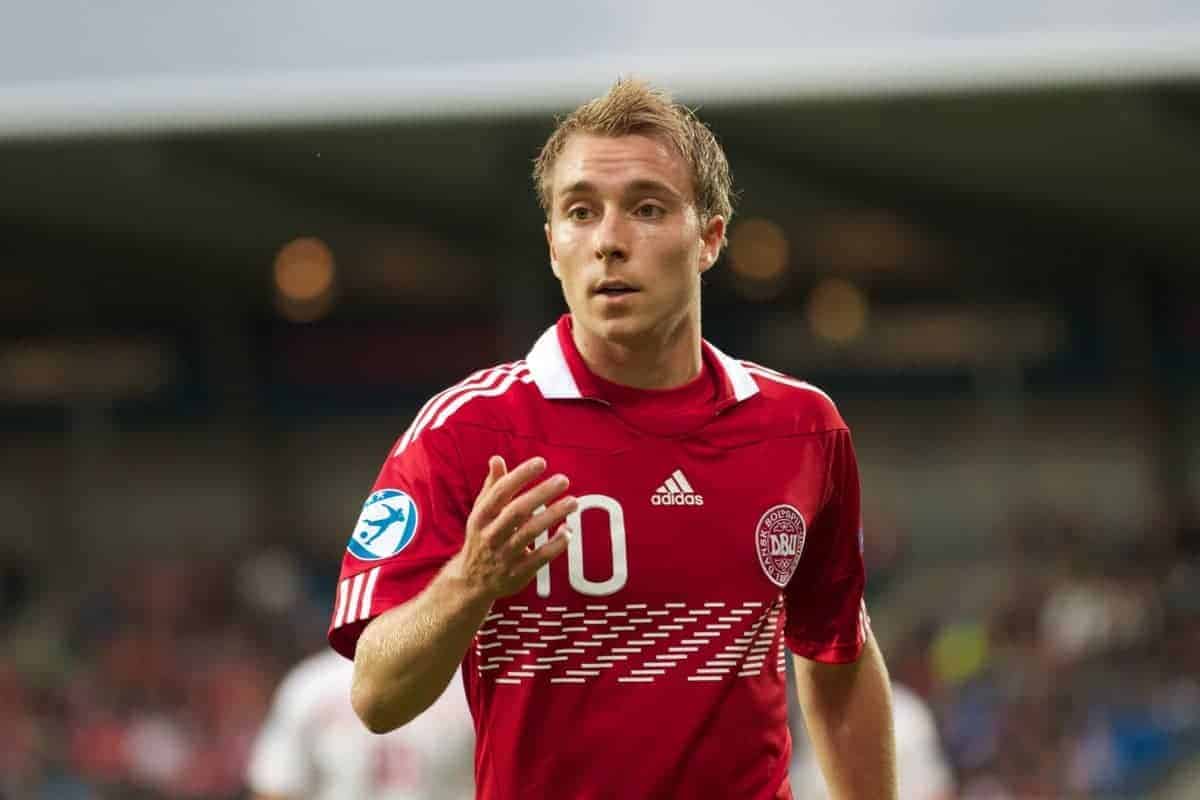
626, 239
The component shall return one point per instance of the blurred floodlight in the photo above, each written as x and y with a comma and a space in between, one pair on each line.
304, 279
304, 310
304, 269
837, 311
758, 258
758, 250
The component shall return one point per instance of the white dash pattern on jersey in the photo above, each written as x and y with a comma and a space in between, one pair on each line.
634, 644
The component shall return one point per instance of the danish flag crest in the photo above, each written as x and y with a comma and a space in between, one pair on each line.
780, 541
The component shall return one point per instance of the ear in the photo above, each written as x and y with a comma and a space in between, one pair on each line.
553, 252
711, 238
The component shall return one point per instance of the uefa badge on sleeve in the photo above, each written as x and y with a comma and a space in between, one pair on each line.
780, 540
386, 526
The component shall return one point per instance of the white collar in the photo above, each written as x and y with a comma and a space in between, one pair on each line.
549, 368
744, 385
552, 375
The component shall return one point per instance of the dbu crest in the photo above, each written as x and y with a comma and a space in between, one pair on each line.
780, 540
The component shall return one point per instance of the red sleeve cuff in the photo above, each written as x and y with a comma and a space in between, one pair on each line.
392, 587
825, 653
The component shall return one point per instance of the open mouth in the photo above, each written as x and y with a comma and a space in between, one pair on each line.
614, 289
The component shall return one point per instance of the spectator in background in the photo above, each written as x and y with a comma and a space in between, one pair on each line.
922, 769
313, 747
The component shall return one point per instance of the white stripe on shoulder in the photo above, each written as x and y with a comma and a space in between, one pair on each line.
431, 405
483, 379
521, 374
779, 377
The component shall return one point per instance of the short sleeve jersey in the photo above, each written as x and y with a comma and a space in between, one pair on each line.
648, 660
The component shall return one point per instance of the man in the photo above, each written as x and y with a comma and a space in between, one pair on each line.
312, 747
714, 518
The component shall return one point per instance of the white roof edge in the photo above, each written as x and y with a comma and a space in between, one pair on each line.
141, 104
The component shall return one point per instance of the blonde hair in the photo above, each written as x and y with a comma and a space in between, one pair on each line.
632, 106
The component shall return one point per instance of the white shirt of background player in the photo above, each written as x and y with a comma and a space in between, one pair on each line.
313, 747
922, 770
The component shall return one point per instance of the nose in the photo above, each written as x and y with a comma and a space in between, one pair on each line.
612, 238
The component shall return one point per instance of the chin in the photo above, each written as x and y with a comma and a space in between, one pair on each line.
622, 329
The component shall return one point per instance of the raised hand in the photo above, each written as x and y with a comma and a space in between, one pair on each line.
499, 557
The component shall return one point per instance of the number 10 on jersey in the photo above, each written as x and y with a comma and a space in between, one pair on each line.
616, 531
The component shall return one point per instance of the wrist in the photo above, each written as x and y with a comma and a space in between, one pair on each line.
470, 594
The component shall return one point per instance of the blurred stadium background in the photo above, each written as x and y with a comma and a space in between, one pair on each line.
242, 243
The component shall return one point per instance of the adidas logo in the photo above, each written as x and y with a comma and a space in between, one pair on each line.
676, 491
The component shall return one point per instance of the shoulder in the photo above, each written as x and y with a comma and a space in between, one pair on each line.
808, 408
485, 398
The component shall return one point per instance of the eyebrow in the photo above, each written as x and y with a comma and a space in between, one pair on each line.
638, 186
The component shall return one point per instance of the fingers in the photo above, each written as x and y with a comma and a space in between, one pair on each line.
552, 518
496, 470
544, 520
516, 516
552, 549
494, 497
522, 507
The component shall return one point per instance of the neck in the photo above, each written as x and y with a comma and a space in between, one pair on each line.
657, 360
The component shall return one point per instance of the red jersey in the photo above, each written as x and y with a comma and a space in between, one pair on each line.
716, 522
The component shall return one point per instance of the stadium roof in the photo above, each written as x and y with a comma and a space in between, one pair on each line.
137, 137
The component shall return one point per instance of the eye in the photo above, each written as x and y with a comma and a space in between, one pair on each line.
579, 213
649, 211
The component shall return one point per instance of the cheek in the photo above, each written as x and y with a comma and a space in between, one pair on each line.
566, 251
566, 245
683, 256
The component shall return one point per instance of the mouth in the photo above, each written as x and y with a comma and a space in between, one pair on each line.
614, 289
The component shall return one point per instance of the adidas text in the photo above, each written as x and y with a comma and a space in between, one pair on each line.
676, 499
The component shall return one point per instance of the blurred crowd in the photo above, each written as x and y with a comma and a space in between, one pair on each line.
150, 683
1066, 666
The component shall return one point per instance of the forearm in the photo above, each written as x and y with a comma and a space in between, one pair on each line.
407, 656
848, 714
